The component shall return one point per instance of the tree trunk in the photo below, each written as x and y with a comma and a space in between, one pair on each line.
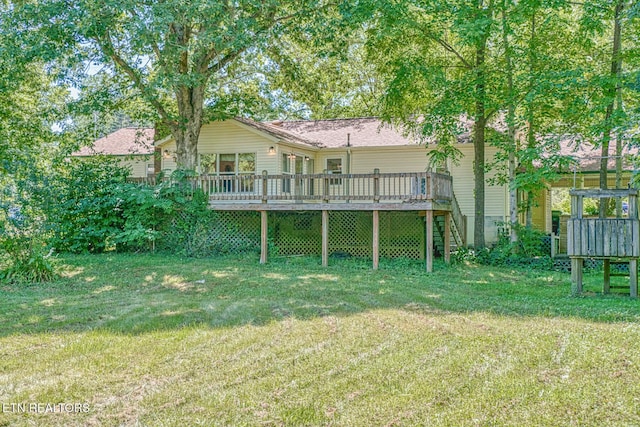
478, 145
190, 109
511, 130
616, 67
531, 118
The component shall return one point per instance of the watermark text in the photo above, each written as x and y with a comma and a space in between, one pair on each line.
44, 408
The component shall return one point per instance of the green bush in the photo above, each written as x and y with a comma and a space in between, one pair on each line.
24, 255
27, 259
529, 250
87, 215
97, 211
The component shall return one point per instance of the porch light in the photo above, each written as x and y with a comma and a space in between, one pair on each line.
166, 154
306, 158
272, 150
292, 156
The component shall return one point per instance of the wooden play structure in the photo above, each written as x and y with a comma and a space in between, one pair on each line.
609, 239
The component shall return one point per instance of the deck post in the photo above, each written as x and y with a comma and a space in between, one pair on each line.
447, 237
325, 187
264, 241
633, 278
376, 185
429, 241
325, 238
265, 186
376, 239
606, 267
576, 276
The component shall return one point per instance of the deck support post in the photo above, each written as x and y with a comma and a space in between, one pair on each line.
264, 241
606, 267
376, 239
429, 241
447, 237
633, 277
325, 238
576, 276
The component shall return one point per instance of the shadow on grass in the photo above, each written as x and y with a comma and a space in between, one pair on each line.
134, 294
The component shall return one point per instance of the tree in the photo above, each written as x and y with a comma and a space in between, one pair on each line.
439, 68
329, 78
179, 56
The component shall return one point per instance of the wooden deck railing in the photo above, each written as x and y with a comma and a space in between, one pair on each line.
373, 187
459, 221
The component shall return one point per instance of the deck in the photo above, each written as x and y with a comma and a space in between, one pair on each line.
409, 191
386, 191
375, 191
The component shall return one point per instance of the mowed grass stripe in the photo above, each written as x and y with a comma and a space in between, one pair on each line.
227, 342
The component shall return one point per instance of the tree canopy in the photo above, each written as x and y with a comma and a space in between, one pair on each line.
525, 73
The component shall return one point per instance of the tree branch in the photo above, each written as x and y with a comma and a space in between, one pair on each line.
225, 60
447, 47
109, 49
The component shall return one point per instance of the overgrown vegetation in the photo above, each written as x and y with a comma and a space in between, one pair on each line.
97, 210
24, 254
529, 250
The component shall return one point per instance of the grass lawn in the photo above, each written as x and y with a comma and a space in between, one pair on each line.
157, 340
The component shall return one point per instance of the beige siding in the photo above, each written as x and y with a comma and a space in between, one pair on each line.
541, 212
415, 159
138, 165
168, 162
401, 159
496, 197
231, 137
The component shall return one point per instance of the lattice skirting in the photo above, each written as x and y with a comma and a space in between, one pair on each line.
402, 234
564, 264
212, 233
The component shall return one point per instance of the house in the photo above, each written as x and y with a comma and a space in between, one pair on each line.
130, 147
348, 146
298, 155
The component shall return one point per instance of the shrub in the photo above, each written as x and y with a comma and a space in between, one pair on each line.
28, 260
87, 214
529, 250
23, 248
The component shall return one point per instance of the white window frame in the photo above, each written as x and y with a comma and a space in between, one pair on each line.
337, 181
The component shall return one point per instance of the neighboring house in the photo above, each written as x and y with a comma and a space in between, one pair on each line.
349, 146
130, 147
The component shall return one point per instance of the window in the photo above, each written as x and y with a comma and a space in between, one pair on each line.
334, 166
286, 164
247, 163
286, 169
310, 170
419, 186
230, 165
227, 164
247, 170
208, 164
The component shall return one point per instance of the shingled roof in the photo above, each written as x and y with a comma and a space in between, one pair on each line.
588, 156
123, 142
333, 133
360, 132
